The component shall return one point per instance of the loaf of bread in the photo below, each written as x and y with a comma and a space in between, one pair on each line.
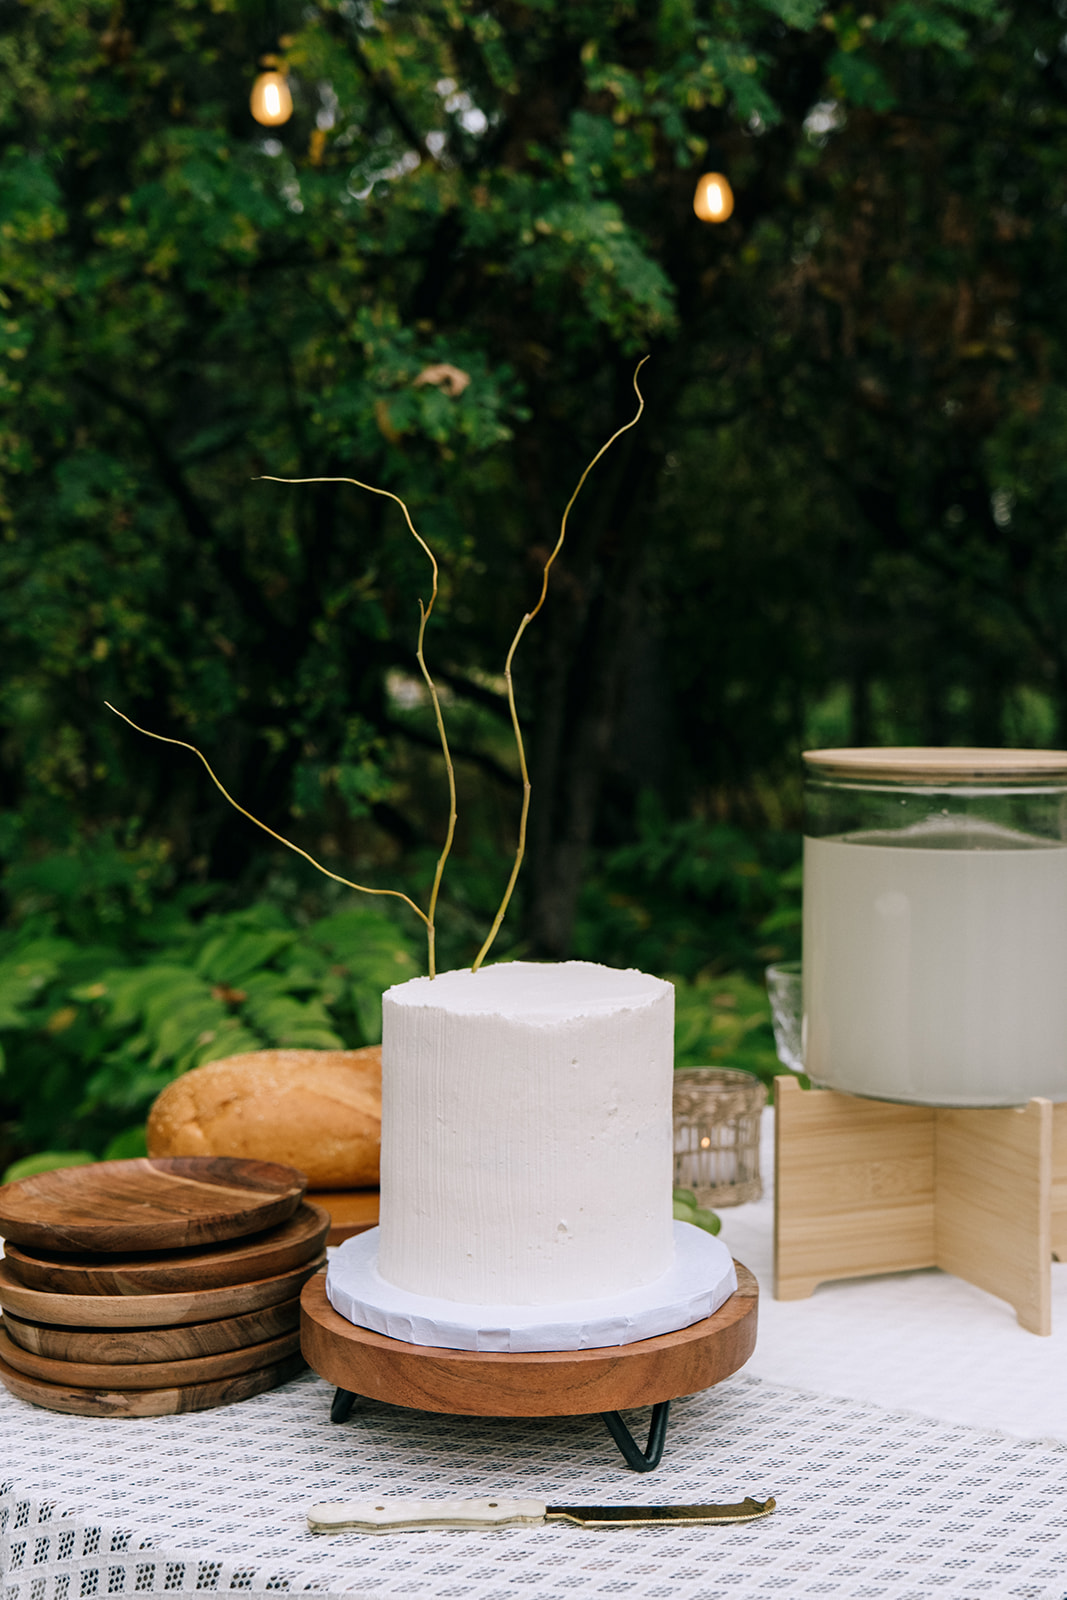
318, 1110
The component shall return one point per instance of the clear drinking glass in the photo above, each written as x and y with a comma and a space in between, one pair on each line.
785, 989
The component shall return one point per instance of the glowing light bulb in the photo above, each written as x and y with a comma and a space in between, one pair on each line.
271, 102
714, 199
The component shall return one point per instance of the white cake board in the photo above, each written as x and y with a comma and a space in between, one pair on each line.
701, 1279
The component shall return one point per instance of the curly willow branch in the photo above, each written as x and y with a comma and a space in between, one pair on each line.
181, 743
523, 625
424, 617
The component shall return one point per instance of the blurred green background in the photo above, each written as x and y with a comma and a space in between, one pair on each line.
842, 519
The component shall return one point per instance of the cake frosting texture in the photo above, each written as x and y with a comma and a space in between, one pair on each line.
526, 1133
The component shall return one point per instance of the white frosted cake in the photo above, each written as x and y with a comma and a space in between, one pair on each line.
526, 1134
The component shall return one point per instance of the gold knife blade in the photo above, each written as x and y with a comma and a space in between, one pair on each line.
748, 1510
501, 1511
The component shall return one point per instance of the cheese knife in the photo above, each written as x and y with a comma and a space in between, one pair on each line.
410, 1515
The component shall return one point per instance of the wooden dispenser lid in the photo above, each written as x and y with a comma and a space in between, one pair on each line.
919, 764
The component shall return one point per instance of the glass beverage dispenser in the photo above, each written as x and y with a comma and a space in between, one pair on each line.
935, 924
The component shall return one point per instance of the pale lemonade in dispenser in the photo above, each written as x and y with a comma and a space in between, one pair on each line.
935, 925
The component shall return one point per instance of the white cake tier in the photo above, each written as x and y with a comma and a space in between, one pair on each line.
699, 1280
526, 1133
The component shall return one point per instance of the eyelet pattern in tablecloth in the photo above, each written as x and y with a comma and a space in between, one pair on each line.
873, 1504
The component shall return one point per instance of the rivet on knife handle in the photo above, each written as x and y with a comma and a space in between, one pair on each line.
409, 1515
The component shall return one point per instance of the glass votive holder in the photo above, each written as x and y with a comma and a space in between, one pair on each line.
716, 1134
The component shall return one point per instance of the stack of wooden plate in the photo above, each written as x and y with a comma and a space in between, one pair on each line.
144, 1288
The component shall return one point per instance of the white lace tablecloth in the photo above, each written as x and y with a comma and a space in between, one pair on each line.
914, 1436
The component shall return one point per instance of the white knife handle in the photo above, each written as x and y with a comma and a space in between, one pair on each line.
402, 1516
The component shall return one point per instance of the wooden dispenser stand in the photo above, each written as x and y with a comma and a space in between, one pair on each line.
869, 1186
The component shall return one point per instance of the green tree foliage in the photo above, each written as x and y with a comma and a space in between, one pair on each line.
437, 278
842, 518
888, 436
97, 1014
111, 984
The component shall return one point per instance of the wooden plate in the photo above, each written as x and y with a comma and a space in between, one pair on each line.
148, 1402
554, 1383
267, 1255
119, 1346
148, 1374
148, 1310
151, 1203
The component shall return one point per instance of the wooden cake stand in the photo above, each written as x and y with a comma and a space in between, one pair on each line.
553, 1383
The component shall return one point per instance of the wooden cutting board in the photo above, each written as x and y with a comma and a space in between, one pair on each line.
151, 1203
149, 1402
148, 1374
149, 1310
119, 1346
351, 1211
266, 1255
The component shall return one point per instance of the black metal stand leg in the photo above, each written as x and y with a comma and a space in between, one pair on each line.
657, 1436
343, 1401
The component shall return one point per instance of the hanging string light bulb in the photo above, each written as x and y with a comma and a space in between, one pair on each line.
272, 103
714, 199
